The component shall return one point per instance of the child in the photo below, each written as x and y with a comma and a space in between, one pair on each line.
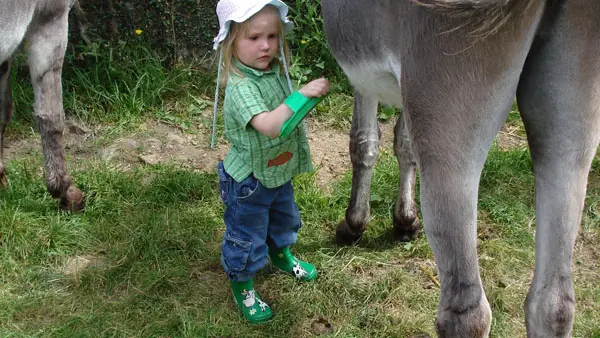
261, 216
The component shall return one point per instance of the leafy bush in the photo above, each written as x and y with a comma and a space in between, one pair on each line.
311, 57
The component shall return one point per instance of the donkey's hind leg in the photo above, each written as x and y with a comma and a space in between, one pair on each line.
455, 105
6, 110
406, 221
47, 43
559, 100
364, 150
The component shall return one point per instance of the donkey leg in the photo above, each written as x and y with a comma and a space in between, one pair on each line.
406, 221
364, 150
6, 110
559, 101
47, 44
455, 104
450, 174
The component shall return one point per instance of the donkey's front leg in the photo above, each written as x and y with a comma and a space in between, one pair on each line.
6, 110
406, 221
47, 44
364, 150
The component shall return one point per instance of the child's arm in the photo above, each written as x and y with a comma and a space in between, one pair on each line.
270, 123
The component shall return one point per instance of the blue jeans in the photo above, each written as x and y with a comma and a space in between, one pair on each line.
256, 219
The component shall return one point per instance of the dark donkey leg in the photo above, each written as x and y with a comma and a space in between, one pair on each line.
6, 110
364, 150
47, 43
406, 221
560, 103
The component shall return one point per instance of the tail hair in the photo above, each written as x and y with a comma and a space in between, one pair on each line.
483, 17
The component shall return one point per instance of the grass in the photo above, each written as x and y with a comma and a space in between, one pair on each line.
118, 85
143, 259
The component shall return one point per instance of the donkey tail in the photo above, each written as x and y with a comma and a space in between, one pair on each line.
484, 17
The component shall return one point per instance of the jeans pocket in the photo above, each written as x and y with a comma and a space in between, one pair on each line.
224, 180
235, 252
247, 187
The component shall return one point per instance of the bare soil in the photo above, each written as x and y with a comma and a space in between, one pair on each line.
155, 142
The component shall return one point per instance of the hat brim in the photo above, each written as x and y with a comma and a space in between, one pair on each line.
283, 10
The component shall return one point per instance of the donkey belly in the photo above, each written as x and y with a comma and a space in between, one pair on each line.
377, 78
364, 38
15, 16
11, 39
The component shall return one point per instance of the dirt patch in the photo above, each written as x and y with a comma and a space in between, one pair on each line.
155, 142
508, 138
329, 150
77, 264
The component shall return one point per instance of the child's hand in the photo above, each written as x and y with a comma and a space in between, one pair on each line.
315, 88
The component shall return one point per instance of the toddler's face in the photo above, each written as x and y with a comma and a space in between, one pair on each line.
258, 42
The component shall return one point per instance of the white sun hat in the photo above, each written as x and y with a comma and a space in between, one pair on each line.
241, 10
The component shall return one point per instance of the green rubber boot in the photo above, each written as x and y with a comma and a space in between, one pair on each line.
286, 262
249, 302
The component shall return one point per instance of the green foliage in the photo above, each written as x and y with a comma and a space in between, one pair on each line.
111, 83
117, 83
387, 112
177, 30
508, 176
311, 57
22, 93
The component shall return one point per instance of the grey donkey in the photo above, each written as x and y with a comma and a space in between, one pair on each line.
456, 67
43, 25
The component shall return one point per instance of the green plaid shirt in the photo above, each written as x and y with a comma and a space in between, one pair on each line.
273, 162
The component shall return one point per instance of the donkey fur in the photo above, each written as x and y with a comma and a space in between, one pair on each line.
456, 66
43, 25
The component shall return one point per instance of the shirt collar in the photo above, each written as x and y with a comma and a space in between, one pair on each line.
256, 72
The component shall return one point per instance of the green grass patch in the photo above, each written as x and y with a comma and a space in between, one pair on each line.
150, 238
118, 84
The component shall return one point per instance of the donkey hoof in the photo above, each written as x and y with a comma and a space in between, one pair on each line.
464, 316
406, 230
345, 236
73, 201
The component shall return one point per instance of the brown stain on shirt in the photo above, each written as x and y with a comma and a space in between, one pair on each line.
280, 159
